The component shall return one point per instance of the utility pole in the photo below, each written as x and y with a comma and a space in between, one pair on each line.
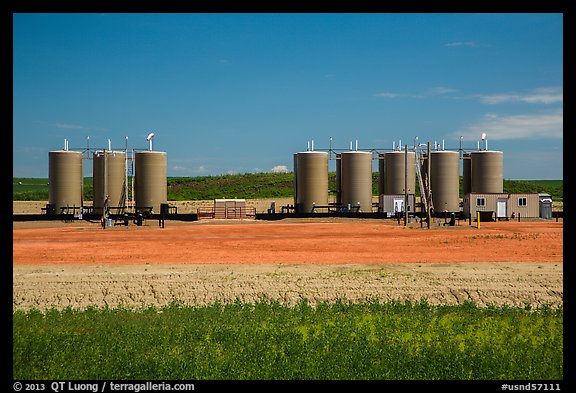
428, 178
405, 184
125, 201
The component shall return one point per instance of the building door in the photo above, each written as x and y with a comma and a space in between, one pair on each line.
546, 209
501, 207
398, 205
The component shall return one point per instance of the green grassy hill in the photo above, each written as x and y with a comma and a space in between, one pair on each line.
251, 186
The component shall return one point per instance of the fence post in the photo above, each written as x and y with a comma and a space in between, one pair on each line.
478, 219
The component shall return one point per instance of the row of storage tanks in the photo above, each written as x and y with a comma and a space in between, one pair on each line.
482, 173
66, 179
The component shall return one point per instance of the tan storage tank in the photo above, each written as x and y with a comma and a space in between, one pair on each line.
445, 180
466, 174
395, 164
109, 175
357, 179
150, 183
486, 169
311, 180
295, 158
65, 181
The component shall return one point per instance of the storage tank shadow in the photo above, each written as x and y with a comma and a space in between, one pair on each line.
65, 182
109, 177
356, 181
150, 182
311, 181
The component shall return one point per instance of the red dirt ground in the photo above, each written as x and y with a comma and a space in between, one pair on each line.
290, 242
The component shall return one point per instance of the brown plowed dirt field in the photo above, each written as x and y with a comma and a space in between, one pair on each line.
80, 264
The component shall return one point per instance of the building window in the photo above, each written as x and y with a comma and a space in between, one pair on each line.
480, 201
522, 201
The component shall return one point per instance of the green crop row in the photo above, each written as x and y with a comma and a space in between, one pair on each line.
268, 340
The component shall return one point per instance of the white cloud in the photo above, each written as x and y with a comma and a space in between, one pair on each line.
547, 95
188, 171
435, 91
470, 44
396, 95
387, 95
66, 126
280, 169
69, 126
543, 95
529, 126
442, 90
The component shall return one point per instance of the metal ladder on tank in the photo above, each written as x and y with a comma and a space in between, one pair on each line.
128, 189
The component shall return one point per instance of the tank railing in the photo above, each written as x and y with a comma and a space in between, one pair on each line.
144, 209
70, 209
113, 209
226, 212
69, 213
287, 208
411, 149
345, 208
316, 208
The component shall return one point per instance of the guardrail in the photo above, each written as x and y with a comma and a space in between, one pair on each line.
227, 212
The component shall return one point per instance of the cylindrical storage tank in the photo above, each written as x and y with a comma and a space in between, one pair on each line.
466, 174
311, 180
109, 176
381, 173
357, 179
445, 180
486, 169
150, 184
395, 163
65, 180
295, 158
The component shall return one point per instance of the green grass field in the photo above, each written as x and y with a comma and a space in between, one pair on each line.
252, 186
267, 340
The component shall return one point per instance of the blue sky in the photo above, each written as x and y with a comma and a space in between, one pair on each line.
238, 93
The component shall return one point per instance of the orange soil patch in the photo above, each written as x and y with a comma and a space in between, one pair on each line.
286, 242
